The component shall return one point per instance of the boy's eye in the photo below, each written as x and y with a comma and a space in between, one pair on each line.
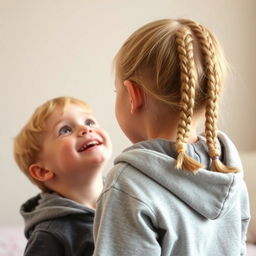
90, 122
65, 130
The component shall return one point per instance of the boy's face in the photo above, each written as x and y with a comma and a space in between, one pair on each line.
74, 145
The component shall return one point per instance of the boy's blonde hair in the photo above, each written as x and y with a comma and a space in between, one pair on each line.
187, 66
28, 143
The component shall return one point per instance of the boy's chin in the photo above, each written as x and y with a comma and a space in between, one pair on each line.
102, 160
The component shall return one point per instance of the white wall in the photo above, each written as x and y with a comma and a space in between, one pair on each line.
50, 48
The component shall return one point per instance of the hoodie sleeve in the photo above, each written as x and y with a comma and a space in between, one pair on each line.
43, 244
124, 226
245, 212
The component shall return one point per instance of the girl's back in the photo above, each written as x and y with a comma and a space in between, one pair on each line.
162, 211
173, 192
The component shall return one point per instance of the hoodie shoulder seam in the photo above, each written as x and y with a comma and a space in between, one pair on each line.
131, 196
113, 186
225, 199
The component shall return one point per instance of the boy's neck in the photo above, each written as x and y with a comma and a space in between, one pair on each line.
89, 194
83, 193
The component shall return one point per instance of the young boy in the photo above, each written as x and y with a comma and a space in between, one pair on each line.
62, 150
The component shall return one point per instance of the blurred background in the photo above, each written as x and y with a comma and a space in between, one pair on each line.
51, 48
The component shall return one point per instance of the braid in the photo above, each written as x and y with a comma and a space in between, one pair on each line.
213, 92
188, 80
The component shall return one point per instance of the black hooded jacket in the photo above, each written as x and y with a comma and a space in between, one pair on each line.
55, 225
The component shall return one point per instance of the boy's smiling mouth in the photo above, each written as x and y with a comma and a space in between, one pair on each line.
89, 144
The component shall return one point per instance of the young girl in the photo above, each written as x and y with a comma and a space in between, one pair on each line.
173, 192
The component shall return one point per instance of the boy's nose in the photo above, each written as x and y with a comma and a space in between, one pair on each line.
84, 130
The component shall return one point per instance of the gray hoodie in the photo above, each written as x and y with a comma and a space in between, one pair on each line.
148, 207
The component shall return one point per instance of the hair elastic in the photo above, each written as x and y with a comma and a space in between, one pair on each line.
215, 157
181, 150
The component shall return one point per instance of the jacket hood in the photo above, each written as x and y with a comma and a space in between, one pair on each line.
47, 206
211, 194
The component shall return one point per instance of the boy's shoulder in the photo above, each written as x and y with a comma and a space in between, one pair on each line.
73, 233
66, 225
67, 228
53, 212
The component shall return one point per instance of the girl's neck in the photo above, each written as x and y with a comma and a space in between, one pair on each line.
159, 122
169, 132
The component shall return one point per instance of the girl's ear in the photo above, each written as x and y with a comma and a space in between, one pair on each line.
39, 173
136, 94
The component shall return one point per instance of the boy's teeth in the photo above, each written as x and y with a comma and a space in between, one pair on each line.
91, 143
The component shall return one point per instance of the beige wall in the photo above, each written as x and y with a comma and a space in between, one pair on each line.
50, 48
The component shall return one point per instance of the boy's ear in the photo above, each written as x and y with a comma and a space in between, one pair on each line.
39, 173
136, 94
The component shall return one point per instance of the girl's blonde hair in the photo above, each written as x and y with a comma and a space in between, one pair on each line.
28, 143
188, 68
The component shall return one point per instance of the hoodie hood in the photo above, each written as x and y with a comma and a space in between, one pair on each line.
47, 206
211, 194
